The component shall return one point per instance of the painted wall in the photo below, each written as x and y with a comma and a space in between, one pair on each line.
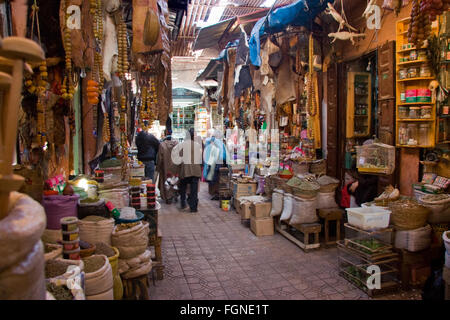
373, 38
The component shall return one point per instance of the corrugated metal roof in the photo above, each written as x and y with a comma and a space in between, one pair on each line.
199, 10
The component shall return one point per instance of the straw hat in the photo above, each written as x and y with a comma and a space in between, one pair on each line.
151, 28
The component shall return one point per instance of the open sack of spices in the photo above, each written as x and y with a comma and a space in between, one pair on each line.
94, 229
439, 206
98, 278
112, 254
130, 239
65, 279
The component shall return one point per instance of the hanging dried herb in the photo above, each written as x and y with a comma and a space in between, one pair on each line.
433, 53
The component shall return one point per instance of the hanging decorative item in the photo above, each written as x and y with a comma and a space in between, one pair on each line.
345, 35
92, 92
312, 103
68, 48
336, 16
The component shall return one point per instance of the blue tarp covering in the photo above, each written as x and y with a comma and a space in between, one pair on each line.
299, 13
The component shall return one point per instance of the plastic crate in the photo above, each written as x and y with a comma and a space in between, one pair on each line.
371, 218
375, 158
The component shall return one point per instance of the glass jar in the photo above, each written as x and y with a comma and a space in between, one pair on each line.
413, 72
403, 96
403, 112
413, 55
414, 112
425, 71
403, 134
424, 129
425, 112
403, 74
412, 134
422, 55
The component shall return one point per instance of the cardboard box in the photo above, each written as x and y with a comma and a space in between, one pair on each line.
244, 189
261, 209
244, 210
261, 227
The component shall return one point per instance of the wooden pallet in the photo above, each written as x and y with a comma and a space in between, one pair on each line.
284, 230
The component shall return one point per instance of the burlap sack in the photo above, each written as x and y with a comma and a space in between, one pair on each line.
140, 270
100, 280
131, 242
304, 211
25, 279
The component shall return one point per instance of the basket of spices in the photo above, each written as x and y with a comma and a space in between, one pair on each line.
86, 249
327, 184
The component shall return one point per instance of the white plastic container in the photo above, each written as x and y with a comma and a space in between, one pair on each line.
370, 218
446, 238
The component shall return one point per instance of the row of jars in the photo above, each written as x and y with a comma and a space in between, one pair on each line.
414, 72
414, 134
423, 112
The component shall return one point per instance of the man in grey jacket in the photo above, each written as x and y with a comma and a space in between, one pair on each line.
190, 170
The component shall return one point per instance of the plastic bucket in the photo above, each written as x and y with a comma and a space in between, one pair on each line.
225, 204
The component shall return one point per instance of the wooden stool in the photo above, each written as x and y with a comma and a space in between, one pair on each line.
331, 214
157, 263
136, 288
307, 229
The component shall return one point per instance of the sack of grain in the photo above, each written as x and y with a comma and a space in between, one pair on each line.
140, 270
326, 200
288, 203
21, 250
439, 206
277, 202
304, 211
119, 197
67, 273
413, 240
98, 275
131, 242
58, 207
96, 229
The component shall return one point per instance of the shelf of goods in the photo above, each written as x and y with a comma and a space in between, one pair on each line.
415, 109
362, 249
359, 104
443, 114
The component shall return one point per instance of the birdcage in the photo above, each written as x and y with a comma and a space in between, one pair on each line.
375, 158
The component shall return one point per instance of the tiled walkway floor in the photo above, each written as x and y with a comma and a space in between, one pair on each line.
211, 255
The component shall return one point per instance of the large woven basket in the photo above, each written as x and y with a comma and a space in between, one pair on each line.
300, 167
328, 187
306, 194
318, 167
408, 214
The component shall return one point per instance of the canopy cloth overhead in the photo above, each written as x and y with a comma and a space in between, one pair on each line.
299, 13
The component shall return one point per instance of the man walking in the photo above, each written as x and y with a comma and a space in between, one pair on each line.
147, 145
190, 170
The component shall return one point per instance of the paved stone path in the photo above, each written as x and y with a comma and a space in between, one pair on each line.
211, 255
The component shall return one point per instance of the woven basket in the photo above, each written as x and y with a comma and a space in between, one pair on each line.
408, 215
328, 187
300, 167
318, 167
306, 194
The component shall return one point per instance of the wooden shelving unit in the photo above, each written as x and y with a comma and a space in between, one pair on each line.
410, 84
443, 120
359, 104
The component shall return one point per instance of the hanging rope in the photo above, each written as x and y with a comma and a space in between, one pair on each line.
35, 10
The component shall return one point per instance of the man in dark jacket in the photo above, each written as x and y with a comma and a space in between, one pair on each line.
147, 145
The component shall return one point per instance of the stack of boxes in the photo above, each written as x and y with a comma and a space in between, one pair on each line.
261, 223
243, 190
